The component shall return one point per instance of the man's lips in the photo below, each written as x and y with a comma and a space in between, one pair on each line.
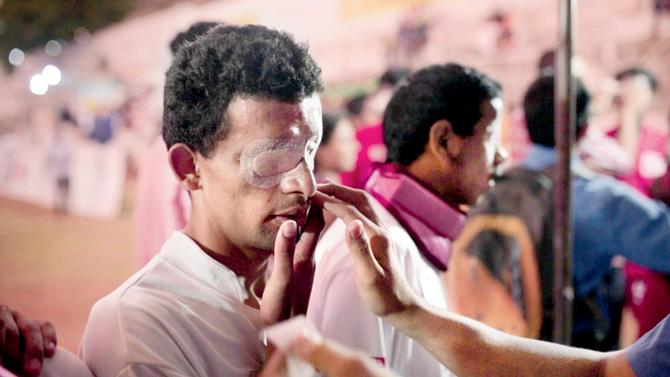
297, 214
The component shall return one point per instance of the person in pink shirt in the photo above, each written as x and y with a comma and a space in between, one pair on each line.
338, 150
369, 133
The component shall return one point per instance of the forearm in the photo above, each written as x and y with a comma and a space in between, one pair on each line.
629, 134
469, 348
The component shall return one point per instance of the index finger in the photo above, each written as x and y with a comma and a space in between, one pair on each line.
33, 350
9, 337
357, 198
344, 210
49, 338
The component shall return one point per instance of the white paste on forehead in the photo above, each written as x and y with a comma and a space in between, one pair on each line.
311, 110
267, 162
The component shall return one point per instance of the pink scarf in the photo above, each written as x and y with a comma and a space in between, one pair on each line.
431, 223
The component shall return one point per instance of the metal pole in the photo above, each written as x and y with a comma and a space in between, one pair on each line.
564, 103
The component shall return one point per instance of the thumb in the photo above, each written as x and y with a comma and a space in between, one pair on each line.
283, 251
275, 303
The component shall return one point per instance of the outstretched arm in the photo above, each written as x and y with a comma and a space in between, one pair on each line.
466, 347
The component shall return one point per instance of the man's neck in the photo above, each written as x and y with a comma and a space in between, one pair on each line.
425, 177
249, 265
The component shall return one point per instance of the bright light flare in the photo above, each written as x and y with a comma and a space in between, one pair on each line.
51, 74
53, 48
38, 85
16, 57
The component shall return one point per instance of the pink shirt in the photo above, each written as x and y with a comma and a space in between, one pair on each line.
647, 291
431, 222
372, 151
650, 161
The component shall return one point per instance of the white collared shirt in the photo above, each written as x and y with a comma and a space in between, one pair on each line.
339, 313
181, 315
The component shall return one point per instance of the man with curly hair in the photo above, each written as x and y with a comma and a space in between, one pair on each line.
242, 121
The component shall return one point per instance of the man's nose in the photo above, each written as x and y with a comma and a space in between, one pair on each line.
300, 181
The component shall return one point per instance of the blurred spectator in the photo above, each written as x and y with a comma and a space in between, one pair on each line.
661, 17
632, 147
369, 134
502, 21
547, 61
60, 160
104, 127
338, 150
375, 103
643, 141
647, 292
354, 106
629, 144
410, 39
161, 205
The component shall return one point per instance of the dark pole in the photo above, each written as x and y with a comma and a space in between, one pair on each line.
564, 103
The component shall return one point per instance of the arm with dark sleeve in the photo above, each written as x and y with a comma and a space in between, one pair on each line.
650, 355
639, 227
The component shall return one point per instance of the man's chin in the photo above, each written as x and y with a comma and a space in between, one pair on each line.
267, 236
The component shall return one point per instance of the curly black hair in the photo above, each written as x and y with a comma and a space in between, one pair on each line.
230, 61
448, 91
538, 107
191, 34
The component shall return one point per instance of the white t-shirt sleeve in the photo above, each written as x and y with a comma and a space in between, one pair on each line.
129, 339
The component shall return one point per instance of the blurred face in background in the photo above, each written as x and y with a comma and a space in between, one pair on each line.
340, 152
636, 93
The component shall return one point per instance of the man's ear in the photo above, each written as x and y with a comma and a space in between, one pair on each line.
182, 161
443, 142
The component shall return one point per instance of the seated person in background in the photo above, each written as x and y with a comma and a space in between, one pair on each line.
242, 122
441, 130
338, 150
609, 218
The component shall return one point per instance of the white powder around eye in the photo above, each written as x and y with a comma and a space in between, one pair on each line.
266, 162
